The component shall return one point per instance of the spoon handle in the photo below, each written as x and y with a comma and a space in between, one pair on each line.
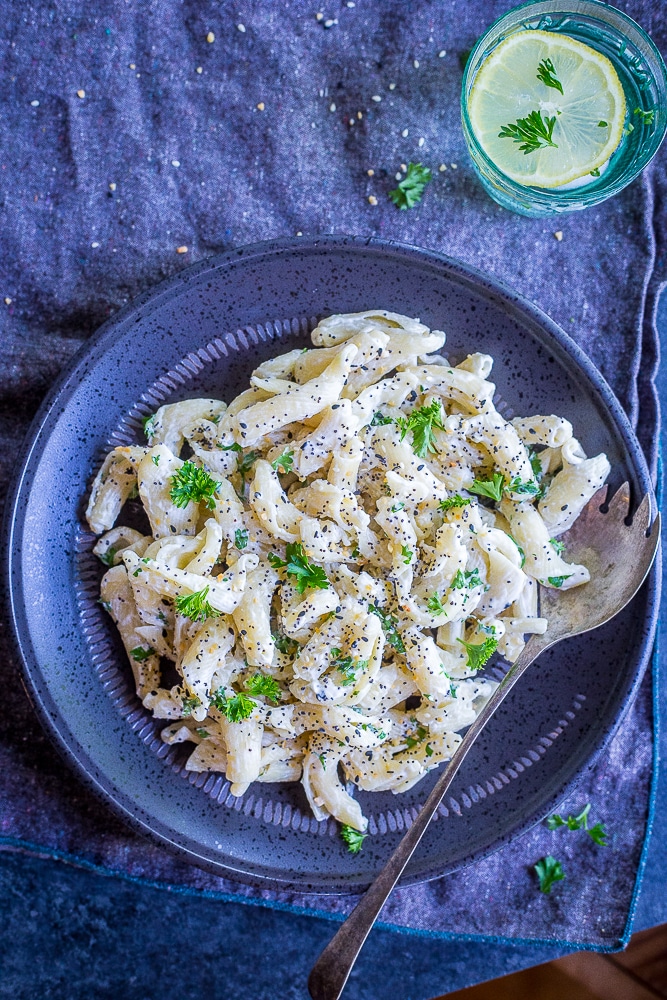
331, 970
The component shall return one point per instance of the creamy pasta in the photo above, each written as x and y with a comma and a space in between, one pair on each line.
332, 558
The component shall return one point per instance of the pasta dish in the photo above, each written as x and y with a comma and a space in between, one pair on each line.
330, 560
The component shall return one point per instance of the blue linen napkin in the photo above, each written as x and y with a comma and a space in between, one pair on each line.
139, 131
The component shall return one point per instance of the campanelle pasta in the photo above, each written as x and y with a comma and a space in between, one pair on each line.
347, 544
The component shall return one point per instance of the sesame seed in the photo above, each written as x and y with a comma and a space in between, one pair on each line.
241, 28
558, 235
442, 53
329, 23
415, 63
392, 86
319, 16
405, 133
442, 167
372, 199
8, 301
421, 141
398, 176
299, 233
376, 98
199, 69
94, 245
181, 249
453, 166
359, 115
210, 37
112, 186
351, 121
132, 66
403, 167
350, 3
175, 163
34, 104
332, 107
371, 173
81, 94
260, 106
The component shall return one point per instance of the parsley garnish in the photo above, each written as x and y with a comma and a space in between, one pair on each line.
455, 501
346, 666
148, 424
231, 447
155, 460
602, 124
558, 546
244, 465
535, 464
596, 172
297, 565
533, 132
646, 116
285, 645
380, 420
469, 578
558, 581
435, 605
140, 653
419, 736
195, 606
190, 702
236, 709
409, 191
397, 506
192, 484
406, 554
548, 870
263, 684
521, 552
597, 832
353, 838
284, 462
527, 488
478, 654
422, 423
492, 488
547, 74
108, 557
388, 623
241, 538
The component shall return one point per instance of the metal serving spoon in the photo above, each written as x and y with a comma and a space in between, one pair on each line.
619, 556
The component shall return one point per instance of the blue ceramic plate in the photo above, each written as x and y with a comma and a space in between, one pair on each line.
202, 333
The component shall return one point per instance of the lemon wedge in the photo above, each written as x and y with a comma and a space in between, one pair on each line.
575, 131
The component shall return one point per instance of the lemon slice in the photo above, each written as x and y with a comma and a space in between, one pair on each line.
589, 114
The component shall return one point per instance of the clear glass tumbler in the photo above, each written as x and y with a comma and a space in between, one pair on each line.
643, 77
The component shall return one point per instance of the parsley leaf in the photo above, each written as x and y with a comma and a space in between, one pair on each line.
236, 709
523, 488
192, 484
380, 420
410, 190
407, 554
547, 75
451, 502
141, 653
646, 116
346, 666
241, 538
353, 838
297, 565
148, 424
598, 834
548, 870
284, 462
388, 623
190, 702
263, 684
492, 488
422, 422
558, 546
195, 606
558, 581
397, 506
478, 654
469, 578
521, 552
108, 557
532, 132
417, 737
435, 605
285, 645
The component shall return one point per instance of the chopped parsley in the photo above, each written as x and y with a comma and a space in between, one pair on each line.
380, 420
435, 605
558, 581
597, 832
532, 132
479, 654
190, 702
558, 546
193, 485
523, 488
492, 488
595, 172
469, 578
263, 684
195, 606
422, 422
388, 623
108, 557
548, 871
297, 565
521, 552
353, 838
410, 190
236, 709
346, 666
284, 462
241, 538
406, 554
155, 459
148, 424
547, 75
397, 506
646, 116
451, 502
285, 645
141, 653
417, 737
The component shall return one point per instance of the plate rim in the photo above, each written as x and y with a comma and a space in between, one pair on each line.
62, 736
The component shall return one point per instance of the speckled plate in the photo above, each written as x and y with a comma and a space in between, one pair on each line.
201, 333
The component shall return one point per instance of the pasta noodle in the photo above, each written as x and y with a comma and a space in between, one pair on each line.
348, 543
